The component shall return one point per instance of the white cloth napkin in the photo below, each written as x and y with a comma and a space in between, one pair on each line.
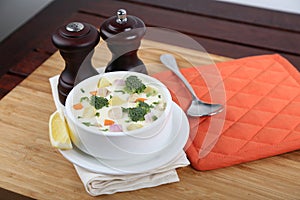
97, 184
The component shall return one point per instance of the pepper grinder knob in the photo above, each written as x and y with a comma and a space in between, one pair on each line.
75, 27
76, 42
123, 34
122, 16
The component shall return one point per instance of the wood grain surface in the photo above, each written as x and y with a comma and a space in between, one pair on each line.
31, 167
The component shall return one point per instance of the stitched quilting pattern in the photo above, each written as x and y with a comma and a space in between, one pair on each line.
262, 109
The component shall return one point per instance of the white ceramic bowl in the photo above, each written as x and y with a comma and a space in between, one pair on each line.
145, 141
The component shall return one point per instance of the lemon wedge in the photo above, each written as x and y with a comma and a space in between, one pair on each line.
59, 132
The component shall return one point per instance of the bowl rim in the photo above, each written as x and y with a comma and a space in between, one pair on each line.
70, 116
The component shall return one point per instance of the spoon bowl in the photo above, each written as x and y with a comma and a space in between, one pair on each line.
197, 108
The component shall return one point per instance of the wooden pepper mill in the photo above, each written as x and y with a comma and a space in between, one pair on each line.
76, 42
123, 34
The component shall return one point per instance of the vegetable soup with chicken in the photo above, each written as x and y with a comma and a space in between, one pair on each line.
119, 104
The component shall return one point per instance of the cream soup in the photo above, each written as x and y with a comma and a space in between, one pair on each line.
118, 104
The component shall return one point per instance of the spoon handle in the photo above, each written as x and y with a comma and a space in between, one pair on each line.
169, 61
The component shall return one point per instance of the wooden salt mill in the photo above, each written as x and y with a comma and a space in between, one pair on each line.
76, 42
123, 34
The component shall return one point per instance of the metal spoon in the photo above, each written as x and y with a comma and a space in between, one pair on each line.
197, 108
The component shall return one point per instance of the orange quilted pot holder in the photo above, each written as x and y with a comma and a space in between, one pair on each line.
261, 117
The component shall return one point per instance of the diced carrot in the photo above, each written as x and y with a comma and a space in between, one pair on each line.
140, 99
108, 122
93, 93
78, 106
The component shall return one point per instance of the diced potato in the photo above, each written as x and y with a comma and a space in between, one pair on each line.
150, 91
134, 127
89, 112
116, 101
103, 82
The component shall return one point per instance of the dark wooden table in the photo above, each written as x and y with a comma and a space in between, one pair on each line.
221, 28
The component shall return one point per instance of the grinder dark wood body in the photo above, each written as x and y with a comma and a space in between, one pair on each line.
76, 42
123, 34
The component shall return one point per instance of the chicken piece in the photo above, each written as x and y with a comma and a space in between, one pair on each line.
115, 113
103, 92
132, 98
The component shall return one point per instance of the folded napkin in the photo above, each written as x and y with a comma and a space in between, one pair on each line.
262, 115
98, 184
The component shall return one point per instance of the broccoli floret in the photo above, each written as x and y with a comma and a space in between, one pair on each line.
134, 85
98, 102
144, 105
138, 113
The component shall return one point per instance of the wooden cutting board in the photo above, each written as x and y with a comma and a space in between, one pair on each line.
30, 166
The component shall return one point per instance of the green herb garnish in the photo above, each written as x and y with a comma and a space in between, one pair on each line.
123, 92
84, 99
154, 118
87, 124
